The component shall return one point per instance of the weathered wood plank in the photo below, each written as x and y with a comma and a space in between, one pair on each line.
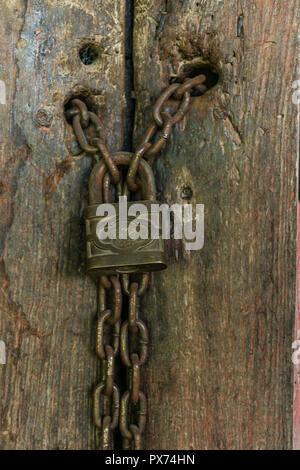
48, 304
229, 306
221, 320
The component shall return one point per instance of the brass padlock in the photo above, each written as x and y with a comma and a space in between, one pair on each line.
122, 254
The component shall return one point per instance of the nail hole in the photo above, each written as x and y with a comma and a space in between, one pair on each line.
186, 193
88, 54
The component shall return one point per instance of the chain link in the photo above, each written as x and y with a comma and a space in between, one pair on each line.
107, 395
163, 124
129, 339
156, 136
134, 341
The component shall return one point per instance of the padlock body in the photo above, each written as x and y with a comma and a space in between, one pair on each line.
122, 254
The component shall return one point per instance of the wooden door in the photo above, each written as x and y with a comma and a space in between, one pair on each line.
221, 319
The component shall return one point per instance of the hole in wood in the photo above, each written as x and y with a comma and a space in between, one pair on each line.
198, 67
186, 193
83, 95
2, 188
88, 54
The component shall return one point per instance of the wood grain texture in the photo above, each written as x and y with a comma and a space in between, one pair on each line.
48, 304
221, 320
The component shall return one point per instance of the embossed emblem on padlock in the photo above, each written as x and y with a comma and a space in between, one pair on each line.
123, 254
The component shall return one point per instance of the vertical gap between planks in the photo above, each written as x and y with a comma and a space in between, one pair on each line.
129, 77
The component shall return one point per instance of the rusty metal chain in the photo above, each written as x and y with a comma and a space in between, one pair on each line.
134, 341
130, 338
81, 118
159, 131
156, 136
107, 395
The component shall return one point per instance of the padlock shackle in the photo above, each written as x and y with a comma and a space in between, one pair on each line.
121, 158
